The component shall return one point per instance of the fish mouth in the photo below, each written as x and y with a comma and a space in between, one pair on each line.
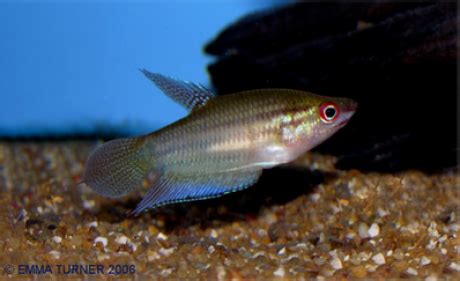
347, 113
343, 123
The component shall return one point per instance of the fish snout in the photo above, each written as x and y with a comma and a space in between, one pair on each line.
350, 106
348, 110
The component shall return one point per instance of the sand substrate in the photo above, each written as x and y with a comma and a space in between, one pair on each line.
310, 221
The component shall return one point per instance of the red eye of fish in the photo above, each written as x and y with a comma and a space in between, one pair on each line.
328, 112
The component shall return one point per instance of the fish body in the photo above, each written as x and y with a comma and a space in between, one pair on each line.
255, 129
220, 147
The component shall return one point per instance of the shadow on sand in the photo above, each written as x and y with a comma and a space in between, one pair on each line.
275, 187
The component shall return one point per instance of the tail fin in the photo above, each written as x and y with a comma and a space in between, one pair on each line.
117, 167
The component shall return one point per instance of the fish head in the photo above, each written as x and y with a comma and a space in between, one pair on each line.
329, 114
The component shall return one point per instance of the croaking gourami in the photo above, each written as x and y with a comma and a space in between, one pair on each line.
222, 146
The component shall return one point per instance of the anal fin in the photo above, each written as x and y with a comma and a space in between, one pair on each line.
170, 188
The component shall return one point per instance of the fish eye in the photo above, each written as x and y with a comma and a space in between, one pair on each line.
328, 112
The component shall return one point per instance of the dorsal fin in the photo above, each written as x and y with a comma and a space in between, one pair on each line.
187, 94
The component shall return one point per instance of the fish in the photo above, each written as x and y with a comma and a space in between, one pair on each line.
221, 146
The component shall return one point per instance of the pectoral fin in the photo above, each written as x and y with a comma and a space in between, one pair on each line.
188, 94
175, 189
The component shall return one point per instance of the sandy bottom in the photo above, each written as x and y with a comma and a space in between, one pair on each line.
296, 223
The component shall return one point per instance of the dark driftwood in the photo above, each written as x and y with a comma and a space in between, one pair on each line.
397, 60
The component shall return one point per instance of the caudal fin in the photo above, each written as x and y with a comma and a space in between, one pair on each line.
117, 167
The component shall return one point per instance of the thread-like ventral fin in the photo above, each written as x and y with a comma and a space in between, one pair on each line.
170, 188
188, 94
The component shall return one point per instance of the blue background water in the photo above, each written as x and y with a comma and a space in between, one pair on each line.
72, 66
